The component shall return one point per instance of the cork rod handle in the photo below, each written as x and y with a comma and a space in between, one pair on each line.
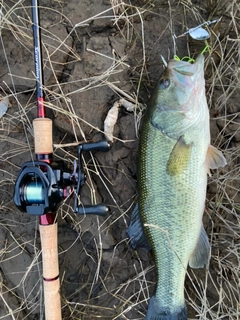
49, 242
43, 135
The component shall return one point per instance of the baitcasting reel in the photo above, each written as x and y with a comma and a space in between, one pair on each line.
40, 187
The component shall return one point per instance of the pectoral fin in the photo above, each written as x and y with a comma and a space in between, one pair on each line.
215, 159
179, 157
201, 255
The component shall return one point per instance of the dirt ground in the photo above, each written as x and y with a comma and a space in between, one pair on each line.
94, 53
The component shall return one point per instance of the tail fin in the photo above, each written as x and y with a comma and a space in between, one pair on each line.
156, 312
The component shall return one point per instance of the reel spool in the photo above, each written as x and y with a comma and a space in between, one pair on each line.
36, 189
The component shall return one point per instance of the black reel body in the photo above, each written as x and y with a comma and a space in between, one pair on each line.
40, 187
37, 190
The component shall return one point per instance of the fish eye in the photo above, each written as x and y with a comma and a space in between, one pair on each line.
164, 83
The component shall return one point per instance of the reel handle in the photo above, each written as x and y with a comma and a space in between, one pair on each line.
99, 209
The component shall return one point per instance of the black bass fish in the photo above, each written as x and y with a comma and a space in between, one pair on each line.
174, 158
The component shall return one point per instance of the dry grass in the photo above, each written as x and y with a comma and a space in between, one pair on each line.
102, 279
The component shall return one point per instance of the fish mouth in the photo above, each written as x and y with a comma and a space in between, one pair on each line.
186, 74
186, 68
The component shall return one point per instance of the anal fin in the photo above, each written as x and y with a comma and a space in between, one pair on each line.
202, 252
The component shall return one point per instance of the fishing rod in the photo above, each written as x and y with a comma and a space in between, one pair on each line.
42, 184
41, 110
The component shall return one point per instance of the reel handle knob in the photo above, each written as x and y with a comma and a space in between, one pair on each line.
99, 209
102, 145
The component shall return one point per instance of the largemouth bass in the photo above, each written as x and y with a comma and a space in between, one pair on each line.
174, 158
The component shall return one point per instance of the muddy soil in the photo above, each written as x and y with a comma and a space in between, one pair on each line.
94, 53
